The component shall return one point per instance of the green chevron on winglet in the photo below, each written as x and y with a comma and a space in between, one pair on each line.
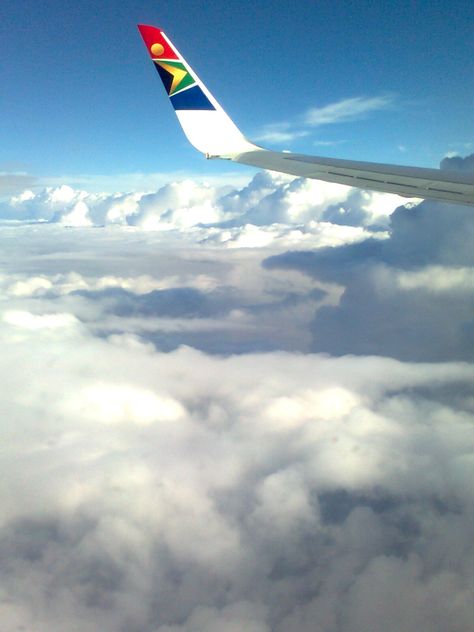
175, 76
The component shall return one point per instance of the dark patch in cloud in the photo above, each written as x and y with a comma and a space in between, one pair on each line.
428, 233
377, 314
336, 506
184, 302
407, 325
329, 264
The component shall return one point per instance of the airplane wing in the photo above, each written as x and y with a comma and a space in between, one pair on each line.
213, 133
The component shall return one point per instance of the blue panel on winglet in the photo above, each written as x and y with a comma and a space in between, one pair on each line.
192, 99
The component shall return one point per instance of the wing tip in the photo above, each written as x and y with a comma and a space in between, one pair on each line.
147, 26
149, 32
158, 45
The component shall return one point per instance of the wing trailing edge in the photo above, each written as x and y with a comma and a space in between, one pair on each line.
412, 182
211, 131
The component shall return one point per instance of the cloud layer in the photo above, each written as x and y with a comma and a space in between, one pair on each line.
409, 296
272, 205
182, 491
236, 409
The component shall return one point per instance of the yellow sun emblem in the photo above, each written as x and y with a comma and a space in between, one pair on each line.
157, 49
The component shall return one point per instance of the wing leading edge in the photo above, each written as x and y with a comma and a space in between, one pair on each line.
212, 132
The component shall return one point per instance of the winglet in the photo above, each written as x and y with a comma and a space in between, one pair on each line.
203, 120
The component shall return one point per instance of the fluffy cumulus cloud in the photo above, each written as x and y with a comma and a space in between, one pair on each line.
183, 491
268, 200
233, 409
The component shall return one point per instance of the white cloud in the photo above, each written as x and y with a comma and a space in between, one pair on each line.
67, 283
328, 143
77, 216
119, 403
280, 133
269, 491
347, 110
438, 279
173, 457
310, 235
26, 320
30, 287
187, 206
342, 111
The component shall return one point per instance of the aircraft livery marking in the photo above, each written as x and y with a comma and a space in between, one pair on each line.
157, 49
179, 83
174, 75
181, 86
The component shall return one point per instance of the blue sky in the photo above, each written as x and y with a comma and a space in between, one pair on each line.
81, 97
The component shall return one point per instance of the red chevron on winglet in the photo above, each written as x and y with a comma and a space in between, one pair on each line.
151, 36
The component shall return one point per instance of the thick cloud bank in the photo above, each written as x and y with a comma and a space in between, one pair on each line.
268, 200
183, 492
187, 445
410, 296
